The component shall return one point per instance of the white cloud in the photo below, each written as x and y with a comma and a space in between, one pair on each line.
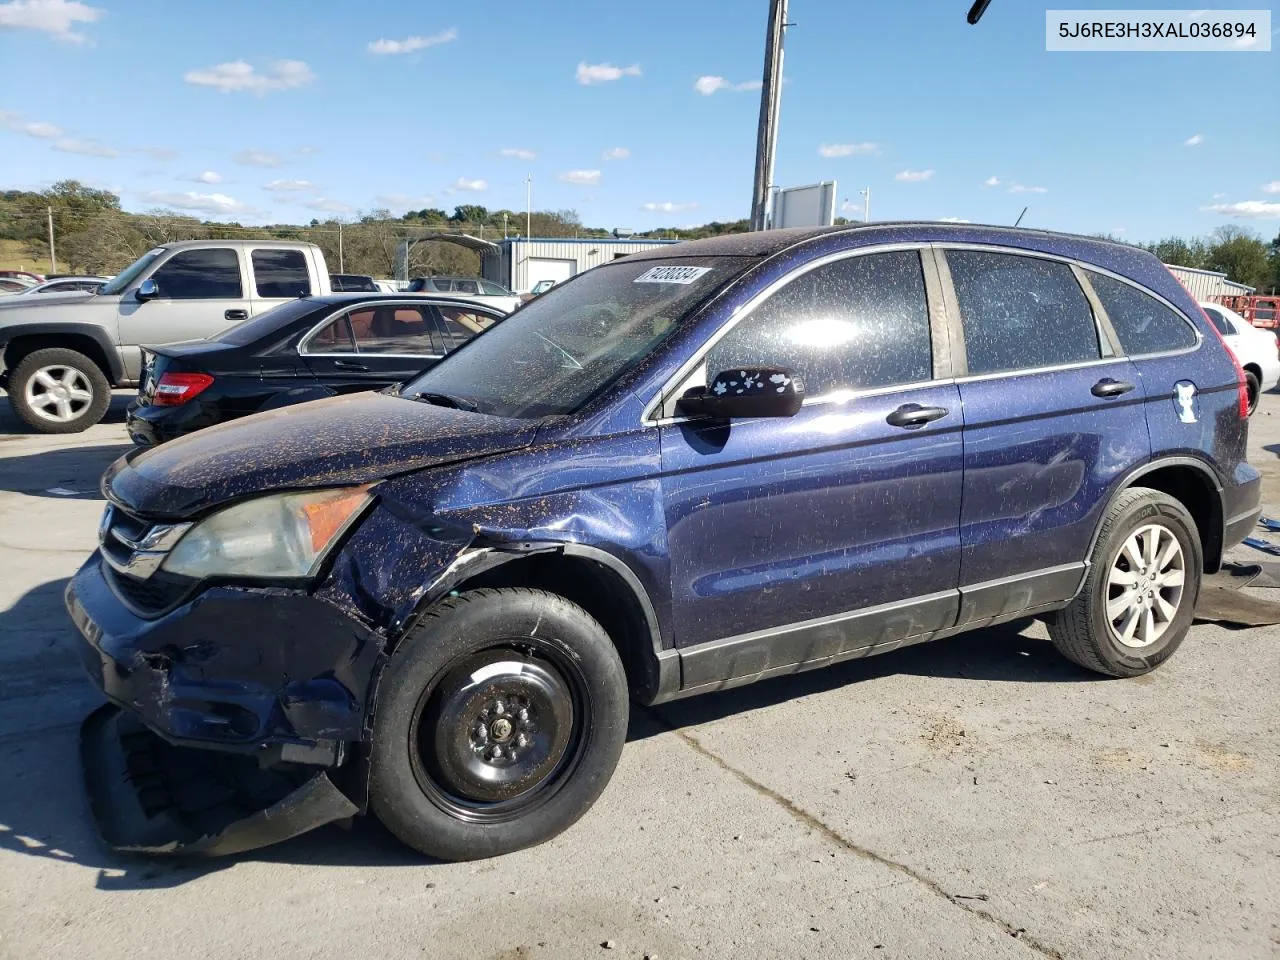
847, 149
289, 186
327, 206
37, 128
209, 176
1019, 188
707, 85
237, 76
913, 176
953, 220
593, 73
668, 207
616, 153
517, 153
991, 182
307, 151
410, 44
55, 17
88, 148
203, 202
257, 158
475, 186
1219, 196
157, 153
1247, 209
1272, 187
1193, 141
403, 201
583, 178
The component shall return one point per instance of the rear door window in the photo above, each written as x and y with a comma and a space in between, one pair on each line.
1020, 312
852, 324
1143, 323
395, 329
280, 274
1220, 323
205, 274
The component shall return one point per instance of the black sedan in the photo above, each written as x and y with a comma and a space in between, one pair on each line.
304, 350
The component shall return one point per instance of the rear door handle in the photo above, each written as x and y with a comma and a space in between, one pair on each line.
1106, 387
235, 315
911, 415
350, 365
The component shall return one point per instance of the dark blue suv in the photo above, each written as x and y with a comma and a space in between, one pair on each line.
686, 470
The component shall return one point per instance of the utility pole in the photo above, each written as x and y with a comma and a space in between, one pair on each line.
528, 206
866, 205
770, 103
342, 267
53, 256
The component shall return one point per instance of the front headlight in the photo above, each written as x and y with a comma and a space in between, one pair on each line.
282, 536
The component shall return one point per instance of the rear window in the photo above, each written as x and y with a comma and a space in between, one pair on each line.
281, 273
1021, 313
1143, 323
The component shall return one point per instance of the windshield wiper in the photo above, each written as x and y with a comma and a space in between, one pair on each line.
445, 400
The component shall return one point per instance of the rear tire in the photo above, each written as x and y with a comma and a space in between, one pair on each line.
1139, 597
499, 721
1253, 387
58, 391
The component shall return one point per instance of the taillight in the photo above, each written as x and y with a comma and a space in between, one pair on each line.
176, 388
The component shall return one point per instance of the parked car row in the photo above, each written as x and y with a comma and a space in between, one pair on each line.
687, 470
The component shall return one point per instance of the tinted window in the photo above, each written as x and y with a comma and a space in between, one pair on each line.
200, 275
394, 330
332, 338
461, 324
1021, 313
1217, 319
1143, 323
853, 324
281, 273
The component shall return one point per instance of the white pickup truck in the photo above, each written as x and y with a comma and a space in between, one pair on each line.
62, 353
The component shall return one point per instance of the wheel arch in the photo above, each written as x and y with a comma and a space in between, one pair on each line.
1192, 483
88, 339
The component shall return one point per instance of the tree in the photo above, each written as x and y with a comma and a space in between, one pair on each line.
469, 213
1241, 255
1179, 252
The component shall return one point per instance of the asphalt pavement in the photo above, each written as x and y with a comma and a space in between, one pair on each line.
977, 797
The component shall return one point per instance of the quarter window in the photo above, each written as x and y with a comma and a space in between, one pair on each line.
208, 274
281, 274
853, 324
1143, 323
1021, 313
461, 324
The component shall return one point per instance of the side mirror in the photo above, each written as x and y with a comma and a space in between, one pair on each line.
746, 392
147, 290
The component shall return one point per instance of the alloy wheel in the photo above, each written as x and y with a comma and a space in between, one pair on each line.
1145, 586
59, 393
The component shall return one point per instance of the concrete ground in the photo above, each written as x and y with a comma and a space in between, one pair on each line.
979, 797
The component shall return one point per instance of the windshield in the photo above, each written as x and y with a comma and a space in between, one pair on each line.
126, 276
552, 355
249, 331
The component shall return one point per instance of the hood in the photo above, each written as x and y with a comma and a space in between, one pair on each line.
63, 297
41, 306
351, 439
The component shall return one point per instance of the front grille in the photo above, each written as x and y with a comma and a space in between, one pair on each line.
153, 596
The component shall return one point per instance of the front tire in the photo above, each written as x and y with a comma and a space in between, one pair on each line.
1139, 597
58, 391
499, 722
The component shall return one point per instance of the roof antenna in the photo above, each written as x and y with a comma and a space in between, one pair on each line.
1021, 215
977, 10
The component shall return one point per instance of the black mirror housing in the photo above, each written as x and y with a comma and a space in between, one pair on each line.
746, 392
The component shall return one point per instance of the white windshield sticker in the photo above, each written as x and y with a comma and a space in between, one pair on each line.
671, 274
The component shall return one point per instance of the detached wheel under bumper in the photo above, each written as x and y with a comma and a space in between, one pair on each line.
500, 719
149, 796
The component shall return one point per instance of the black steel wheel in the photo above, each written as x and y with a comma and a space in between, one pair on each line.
500, 719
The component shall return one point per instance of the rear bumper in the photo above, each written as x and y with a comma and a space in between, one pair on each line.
1243, 505
149, 425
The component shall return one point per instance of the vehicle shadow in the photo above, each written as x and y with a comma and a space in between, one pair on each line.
44, 813
61, 473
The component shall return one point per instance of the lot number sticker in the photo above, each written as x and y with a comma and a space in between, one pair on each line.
671, 275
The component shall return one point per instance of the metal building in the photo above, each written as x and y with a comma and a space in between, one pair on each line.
522, 263
1207, 284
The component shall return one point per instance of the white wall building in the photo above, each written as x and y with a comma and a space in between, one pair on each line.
522, 263
1207, 284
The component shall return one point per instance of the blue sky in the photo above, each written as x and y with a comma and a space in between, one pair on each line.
634, 115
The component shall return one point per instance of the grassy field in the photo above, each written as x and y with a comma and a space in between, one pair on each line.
14, 257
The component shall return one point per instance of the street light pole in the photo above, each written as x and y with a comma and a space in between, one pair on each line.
770, 103
528, 206
866, 205
53, 256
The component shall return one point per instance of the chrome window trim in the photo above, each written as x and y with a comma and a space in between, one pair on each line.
682, 379
347, 308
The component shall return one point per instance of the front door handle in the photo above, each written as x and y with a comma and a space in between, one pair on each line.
350, 365
236, 315
1106, 387
912, 415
